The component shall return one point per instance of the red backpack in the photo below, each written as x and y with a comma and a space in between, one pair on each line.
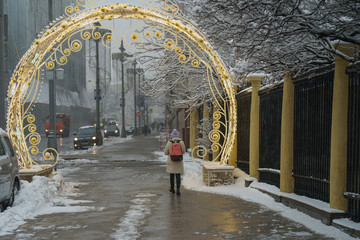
176, 152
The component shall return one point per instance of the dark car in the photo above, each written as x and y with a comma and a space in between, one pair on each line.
129, 130
111, 130
9, 172
86, 137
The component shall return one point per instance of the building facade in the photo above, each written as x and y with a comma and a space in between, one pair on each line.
26, 20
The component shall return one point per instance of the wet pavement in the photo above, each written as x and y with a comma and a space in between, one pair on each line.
129, 191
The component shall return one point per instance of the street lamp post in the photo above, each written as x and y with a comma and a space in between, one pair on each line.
140, 101
2, 67
135, 127
98, 131
56, 74
143, 100
121, 56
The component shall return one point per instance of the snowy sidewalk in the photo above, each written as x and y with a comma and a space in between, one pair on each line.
120, 191
259, 192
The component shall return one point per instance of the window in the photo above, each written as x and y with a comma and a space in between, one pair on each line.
7, 140
87, 131
59, 118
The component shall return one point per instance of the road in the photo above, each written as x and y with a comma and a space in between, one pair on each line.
129, 190
63, 143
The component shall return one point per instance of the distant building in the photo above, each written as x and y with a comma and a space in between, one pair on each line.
26, 19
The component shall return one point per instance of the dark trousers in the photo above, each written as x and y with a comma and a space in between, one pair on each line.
172, 181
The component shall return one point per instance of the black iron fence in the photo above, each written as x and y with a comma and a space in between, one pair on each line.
353, 158
243, 131
312, 135
313, 99
270, 134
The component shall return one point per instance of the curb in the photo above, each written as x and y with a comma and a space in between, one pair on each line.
326, 216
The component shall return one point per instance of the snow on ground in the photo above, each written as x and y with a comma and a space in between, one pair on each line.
42, 196
46, 196
2, 131
107, 142
134, 217
112, 140
193, 180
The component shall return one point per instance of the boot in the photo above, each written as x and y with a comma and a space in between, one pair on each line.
172, 190
178, 183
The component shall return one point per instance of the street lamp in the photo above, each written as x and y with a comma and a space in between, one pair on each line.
139, 99
2, 67
98, 132
52, 76
135, 127
121, 56
98, 96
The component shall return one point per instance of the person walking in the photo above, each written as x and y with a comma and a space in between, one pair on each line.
174, 164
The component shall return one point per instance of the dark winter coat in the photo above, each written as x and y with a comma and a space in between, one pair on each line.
174, 166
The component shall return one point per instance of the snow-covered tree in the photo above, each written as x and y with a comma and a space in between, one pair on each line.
277, 36
181, 83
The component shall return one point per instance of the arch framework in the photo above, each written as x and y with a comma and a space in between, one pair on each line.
64, 37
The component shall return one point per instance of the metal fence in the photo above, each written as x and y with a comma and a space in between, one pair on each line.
353, 158
243, 131
312, 135
270, 134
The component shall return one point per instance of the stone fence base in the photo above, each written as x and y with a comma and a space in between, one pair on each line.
37, 170
214, 174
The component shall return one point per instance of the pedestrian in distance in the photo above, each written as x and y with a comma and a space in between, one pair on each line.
175, 148
146, 129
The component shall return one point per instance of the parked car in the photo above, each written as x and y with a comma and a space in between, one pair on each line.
129, 130
111, 130
9, 172
86, 137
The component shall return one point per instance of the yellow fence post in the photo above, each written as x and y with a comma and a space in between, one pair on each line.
194, 121
254, 126
338, 154
287, 136
233, 155
206, 120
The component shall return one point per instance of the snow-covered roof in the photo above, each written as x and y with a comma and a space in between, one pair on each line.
88, 126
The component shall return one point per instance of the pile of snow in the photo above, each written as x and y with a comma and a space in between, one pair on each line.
114, 140
42, 196
193, 180
2, 131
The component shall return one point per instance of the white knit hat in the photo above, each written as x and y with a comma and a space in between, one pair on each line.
175, 133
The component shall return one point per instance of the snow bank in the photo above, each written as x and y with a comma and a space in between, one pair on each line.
2, 131
113, 140
193, 180
42, 196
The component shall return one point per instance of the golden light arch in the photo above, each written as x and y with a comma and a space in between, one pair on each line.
55, 44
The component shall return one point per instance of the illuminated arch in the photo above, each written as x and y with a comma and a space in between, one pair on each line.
56, 43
